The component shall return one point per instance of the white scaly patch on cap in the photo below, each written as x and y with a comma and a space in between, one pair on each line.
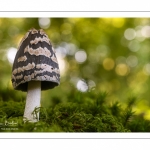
29, 66
39, 39
39, 51
54, 59
53, 50
44, 67
23, 58
45, 78
43, 33
37, 78
29, 77
19, 77
33, 31
13, 77
22, 69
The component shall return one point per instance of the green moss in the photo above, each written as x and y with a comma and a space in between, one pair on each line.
85, 112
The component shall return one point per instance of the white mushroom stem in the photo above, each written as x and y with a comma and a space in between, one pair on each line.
32, 101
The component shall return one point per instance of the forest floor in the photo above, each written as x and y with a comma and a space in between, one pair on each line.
83, 112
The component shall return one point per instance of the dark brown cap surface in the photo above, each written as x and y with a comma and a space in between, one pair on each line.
35, 60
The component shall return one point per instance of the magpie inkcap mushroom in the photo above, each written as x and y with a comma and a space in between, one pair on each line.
35, 68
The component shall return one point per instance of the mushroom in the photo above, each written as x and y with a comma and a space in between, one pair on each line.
35, 68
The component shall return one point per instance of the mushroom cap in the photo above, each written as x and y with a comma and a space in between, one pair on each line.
35, 60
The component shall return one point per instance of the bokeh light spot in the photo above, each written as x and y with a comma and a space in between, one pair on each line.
132, 61
108, 63
122, 69
74, 80
139, 35
134, 46
61, 52
11, 53
129, 34
147, 69
118, 22
70, 48
62, 65
12, 31
66, 28
120, 60
146, 31
91, 84
44, 22
82, 86
80, 56
102, 50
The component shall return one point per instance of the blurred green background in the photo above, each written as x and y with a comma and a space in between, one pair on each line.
101, 54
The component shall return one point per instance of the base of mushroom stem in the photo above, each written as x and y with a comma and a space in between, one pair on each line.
34, 117
31, 113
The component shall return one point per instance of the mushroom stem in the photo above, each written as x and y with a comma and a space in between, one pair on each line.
32, 101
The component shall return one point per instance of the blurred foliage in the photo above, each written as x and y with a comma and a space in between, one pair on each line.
94, 54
